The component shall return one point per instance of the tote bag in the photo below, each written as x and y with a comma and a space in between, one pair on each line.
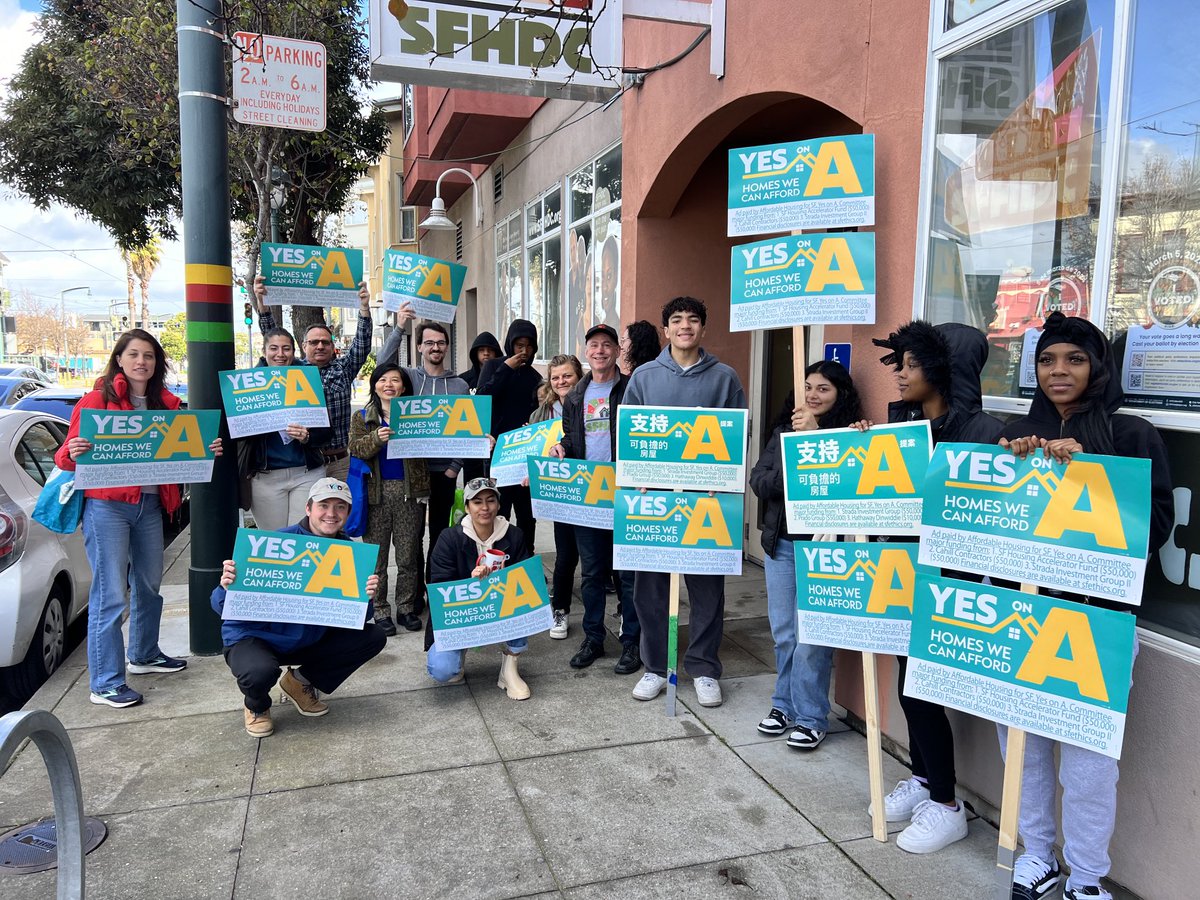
59, 506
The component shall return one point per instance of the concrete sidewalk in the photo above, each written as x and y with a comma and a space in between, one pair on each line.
408, 789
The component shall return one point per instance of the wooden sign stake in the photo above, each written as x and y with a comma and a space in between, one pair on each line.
673, 644
1010, 802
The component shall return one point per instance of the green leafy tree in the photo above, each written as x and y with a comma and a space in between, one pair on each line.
173, 338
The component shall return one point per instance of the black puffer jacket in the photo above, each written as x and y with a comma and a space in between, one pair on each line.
513, 391
766, 480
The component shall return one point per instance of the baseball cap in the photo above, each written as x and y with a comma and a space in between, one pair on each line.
477, 486
330, 489
607, 330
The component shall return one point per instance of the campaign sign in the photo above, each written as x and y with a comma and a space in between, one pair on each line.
809, 279
855, 596
270, 398
673, 531
509, 603
844, 481
453, 426
299, 578
157, 446
798, 185
432, 286
300, 275
516, 446
572, 491
1081, 527
681, 448
1045, 665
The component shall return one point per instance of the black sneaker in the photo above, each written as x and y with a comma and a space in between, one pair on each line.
589, 652
1034, 878
410, 622
630, 661
775, 722
388, 626
803, 738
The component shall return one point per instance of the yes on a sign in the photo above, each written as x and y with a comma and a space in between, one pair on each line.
278, 82
431, 285
514, 447
146, 447
678, 531
441, 425
572, 491
509, 603
269, 398
302, 275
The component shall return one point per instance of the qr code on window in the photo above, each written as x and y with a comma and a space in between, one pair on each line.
1135, 381
1137, 360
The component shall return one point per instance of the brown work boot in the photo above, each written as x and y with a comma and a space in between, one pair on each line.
305, 697
258, 725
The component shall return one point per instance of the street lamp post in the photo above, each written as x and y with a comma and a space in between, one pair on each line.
62, 316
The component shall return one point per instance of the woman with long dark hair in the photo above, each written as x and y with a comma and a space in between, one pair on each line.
801, 697
394, 491
123, 529
639, 345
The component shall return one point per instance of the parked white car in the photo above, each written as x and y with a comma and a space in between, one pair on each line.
44, 576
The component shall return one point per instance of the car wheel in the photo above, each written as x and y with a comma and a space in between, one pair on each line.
45, 653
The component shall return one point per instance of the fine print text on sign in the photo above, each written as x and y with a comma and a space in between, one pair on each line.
572, 491
512, 602
682, 449
823, 183
452, 425
146, 447
676, 531
270, 398
1045, 665
845, 481
857, 596
299, 578
810, 279
432, 286
1082, 527
278, 82
301, 275
516, 446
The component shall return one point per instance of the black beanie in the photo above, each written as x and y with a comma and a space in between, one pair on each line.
1060, 329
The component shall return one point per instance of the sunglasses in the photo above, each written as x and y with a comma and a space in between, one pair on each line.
478, 484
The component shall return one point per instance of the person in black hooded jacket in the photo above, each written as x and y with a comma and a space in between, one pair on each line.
484, 348
1074, 411
512, 382
937, 371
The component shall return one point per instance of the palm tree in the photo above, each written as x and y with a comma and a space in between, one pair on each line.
144, 260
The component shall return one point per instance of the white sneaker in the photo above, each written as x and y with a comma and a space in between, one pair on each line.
904, 798
708, 691
649, 687
933, 827
558, 630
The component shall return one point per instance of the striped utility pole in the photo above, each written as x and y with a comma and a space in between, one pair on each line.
204, 144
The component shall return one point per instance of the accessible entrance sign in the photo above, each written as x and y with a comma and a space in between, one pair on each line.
278, 82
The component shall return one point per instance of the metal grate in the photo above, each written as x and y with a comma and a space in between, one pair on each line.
34, 847
458, 241
498, 184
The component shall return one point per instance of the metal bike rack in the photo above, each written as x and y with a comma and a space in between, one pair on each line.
48, 734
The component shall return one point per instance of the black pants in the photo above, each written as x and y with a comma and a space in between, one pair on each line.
516, 497
706, 624
930, 741
566, 561
474, 468
326, 664
441, 498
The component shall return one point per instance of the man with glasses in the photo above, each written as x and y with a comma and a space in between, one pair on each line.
337, 372
430, 378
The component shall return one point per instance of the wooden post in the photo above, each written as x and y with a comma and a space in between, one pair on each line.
874, 742
673, 644
1010, 801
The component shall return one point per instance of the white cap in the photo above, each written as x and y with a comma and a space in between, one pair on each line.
330, 489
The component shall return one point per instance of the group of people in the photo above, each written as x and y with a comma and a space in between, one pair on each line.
295, 481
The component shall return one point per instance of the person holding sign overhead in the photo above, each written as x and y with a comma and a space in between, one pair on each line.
123, 529
484, 540
319, 658
937, 371
801, 697
683, 375
1074, 411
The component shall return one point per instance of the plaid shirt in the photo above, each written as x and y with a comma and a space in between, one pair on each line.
338, 378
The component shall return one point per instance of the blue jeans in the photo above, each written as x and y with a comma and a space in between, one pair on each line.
124, 544
443, 665
595, 557
804, 670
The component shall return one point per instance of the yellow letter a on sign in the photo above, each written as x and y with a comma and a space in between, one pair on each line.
603, 485
182, 437
336, 572
894, 582
706, 440
834, 265
1082, 669
1102, 521
707, 523
518, 592
336, 270
463, 418
832, 169
298, 389
884, 448
437, 283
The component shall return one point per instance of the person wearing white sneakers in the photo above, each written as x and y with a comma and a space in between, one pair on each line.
458, 556
683, 375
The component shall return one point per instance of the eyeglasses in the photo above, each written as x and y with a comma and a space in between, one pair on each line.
318, 343
437, 345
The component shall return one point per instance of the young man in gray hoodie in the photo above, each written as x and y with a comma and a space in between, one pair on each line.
683, 375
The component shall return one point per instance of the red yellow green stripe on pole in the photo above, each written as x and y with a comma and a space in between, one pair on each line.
209, 284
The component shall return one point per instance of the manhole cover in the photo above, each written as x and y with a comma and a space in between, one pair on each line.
34, 848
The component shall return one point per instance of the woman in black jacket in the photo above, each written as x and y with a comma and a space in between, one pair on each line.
458, 555
801, 697
1074, 411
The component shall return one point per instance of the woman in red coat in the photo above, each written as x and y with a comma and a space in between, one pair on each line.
123, 530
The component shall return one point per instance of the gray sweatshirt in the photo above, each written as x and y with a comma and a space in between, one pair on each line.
709, 383
424, 383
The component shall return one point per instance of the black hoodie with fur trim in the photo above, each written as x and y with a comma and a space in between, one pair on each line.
513, 391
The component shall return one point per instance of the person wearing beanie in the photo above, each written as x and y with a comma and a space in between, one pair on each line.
1074, 411
484, 348
937, 372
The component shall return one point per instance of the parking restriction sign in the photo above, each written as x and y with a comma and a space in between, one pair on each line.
278, 82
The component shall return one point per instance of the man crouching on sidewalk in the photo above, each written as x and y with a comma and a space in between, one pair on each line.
323, 657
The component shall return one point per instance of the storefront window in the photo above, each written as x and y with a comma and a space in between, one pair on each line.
1153, 311
594, 248
960, 11
1017, 181
509, 281
542, 252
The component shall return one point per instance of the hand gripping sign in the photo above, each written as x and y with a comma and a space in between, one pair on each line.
682, 448
299, 578
508, 603
270, 398
146, 447
450, 425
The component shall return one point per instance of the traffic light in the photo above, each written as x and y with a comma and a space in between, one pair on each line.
248, 314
